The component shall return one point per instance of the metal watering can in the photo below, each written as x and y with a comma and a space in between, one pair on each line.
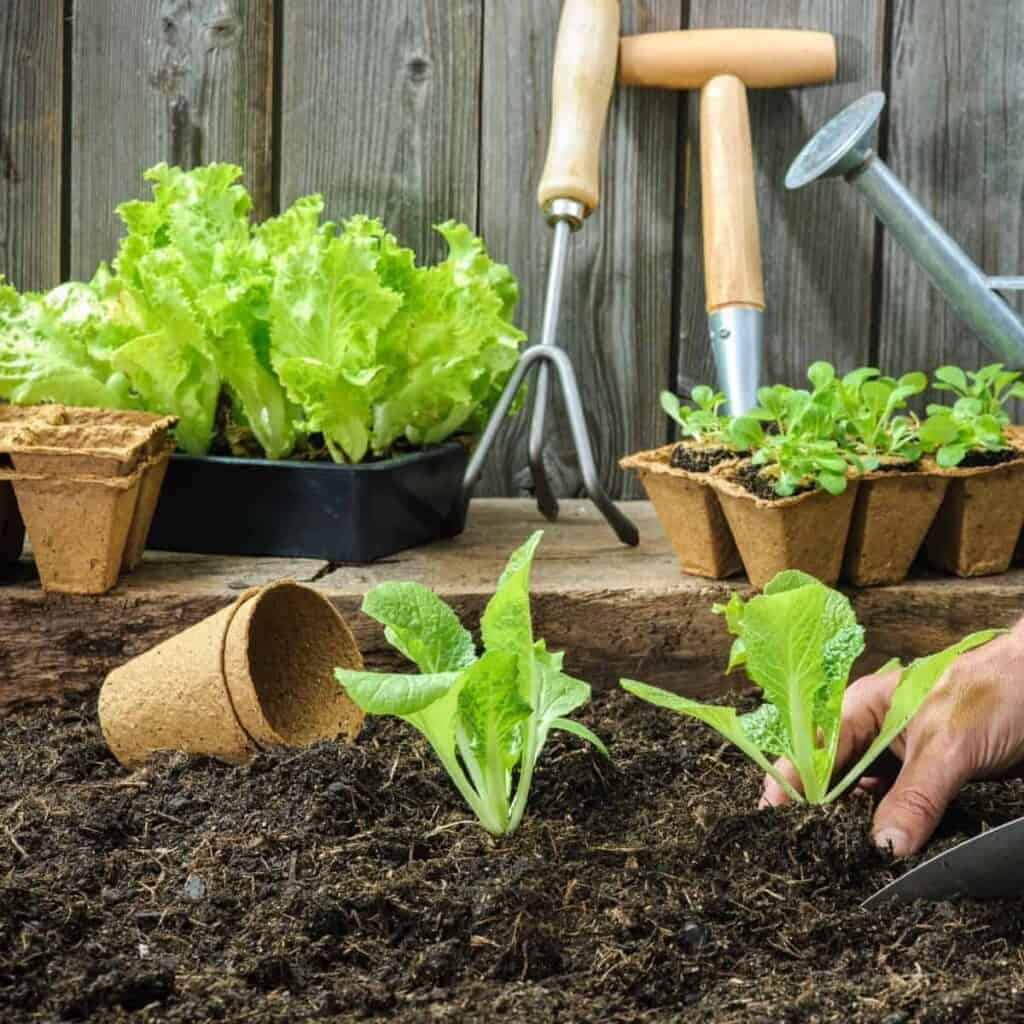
842, 147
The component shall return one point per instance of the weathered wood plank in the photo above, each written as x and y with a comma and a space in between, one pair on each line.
956, 125
381, 110
616, 307
185, 81
817, 246
616, 611
31, 102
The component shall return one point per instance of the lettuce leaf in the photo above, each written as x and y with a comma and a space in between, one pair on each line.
798, 641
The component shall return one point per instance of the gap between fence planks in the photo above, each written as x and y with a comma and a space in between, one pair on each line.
617, 611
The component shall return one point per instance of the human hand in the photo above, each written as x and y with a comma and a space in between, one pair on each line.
970, 727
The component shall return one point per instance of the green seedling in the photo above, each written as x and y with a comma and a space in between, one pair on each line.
486, 717
704, 421
867, 411
798, 642
975, 421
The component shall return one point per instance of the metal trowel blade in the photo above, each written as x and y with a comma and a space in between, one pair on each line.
989, 866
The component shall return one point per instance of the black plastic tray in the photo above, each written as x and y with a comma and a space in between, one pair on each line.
232, 506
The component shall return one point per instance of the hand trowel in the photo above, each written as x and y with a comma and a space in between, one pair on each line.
988, 866
586, 57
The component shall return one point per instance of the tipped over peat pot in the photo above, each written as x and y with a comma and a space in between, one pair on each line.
689, 512
288, 508
257, 675
806, 531
978, 527
894, 509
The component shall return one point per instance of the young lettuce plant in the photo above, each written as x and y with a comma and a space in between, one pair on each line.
976, 420
486, 717
798, 642
705, 423
867, 407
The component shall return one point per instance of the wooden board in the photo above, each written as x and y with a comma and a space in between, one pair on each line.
956, 139
817, 244
616, 317
31, 101
185, 81
381, 111
617, 611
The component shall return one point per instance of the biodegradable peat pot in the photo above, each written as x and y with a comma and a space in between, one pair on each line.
258, 674
233, 506
807, 531
891, 517
689, 512
153, 472
978, 526
78, 526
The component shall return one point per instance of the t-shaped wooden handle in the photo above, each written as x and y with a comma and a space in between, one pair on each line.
586, 56
722, 63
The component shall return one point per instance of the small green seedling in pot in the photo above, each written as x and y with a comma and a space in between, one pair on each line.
867, 408
992, 386
487, 717
798, 642
704, 421
976, 420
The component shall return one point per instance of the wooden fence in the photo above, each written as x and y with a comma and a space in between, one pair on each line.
419, 110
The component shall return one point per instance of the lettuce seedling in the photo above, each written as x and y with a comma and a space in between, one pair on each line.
867, 407
486, 717
705, 423
975, 421
992, 387
798, 642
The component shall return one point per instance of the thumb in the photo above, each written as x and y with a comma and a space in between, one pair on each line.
907, 816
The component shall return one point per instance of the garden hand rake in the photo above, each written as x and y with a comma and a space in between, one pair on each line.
586, 57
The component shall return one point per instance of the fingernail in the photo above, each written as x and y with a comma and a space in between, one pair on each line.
893, 840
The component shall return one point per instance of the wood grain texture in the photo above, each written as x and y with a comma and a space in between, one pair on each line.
616, 611
956, 139
616, 305
817, 244
381, 111
31, 93
185, 81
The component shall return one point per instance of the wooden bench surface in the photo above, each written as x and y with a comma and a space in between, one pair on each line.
615, 610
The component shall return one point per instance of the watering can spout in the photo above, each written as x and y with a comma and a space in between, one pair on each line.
842, 148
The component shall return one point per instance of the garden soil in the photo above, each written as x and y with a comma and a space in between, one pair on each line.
347, 883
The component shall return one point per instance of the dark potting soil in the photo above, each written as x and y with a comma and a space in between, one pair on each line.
699, 460
750, 476
991, 458
347, 883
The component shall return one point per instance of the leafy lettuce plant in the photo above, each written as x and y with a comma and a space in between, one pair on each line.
486, 716
797, 642
273, 333
868, 407
703, 421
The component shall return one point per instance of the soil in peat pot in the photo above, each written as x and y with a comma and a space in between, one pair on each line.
762, 486
699, 459
346, 883
973, 460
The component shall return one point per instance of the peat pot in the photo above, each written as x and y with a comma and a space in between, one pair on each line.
341, 513
807, 531
978, 527
689, 512
891, 517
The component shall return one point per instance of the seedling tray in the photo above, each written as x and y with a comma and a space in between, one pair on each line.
232, 506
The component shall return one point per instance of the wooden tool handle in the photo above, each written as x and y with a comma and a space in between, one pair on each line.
586, 57
763, 58
732, 247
